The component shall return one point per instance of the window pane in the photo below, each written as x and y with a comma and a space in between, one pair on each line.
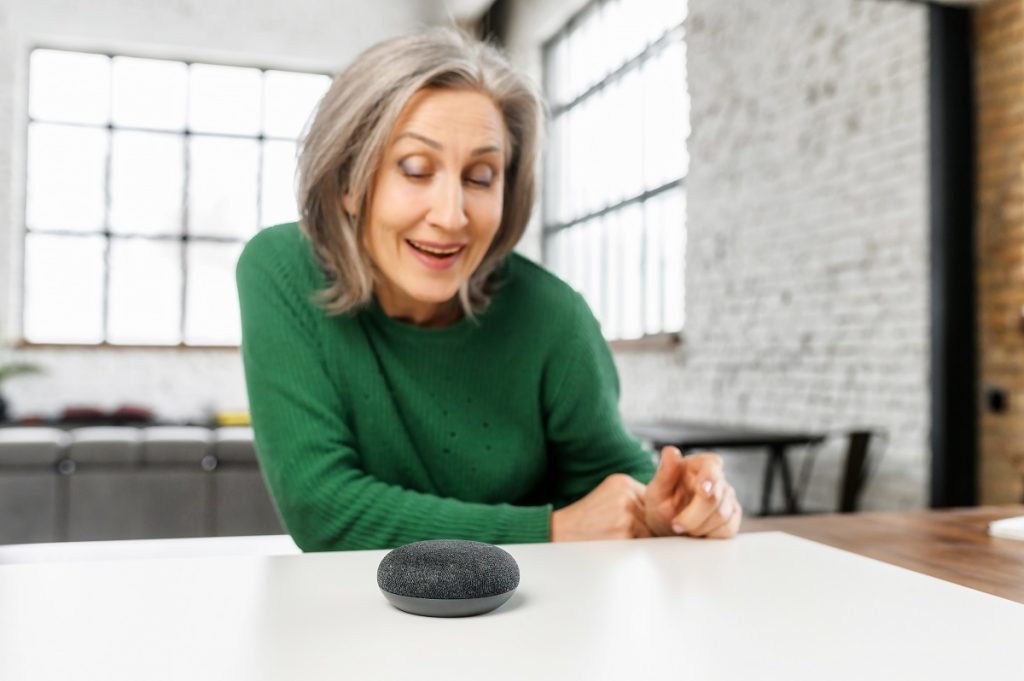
675, 252
70, 87
594, 239
562, 81
278, 183
66, 170
588, 158
145, 291
616, 16
64, 288
634, 29
659, 122
573, 195
632, 271
671, 13
290, 99
666, 116
605, 58
557, 253
589, 48
551, 253
677, 68
612, 319
574, 265
553, 73
654, 254
574, 64
625, 154
602, 127
630, 127
147, 175
224, 99
222, 186
552, 162
211, 316
150, 93
653, 21
567, 191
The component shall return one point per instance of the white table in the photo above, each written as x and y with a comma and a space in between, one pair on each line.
764, 606
78, 551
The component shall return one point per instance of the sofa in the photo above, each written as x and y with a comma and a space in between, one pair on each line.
122, 482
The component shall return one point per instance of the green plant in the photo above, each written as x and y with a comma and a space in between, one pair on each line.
18, 368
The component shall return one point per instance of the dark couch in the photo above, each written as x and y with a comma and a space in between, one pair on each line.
119, 482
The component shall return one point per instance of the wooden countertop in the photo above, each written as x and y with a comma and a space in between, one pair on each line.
951, 544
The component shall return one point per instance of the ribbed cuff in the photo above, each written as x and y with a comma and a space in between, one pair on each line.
527, 525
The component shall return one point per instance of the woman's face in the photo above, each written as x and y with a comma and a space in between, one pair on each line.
437, 202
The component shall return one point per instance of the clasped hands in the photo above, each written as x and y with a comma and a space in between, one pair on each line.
688, 496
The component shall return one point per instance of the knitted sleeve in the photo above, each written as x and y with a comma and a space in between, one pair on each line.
586, 438
306, 450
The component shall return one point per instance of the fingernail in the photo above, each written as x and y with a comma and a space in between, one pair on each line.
706, 487
678, 529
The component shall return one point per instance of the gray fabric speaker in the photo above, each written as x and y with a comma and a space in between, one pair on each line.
447, 577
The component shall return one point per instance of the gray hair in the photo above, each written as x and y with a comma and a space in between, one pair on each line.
343, 147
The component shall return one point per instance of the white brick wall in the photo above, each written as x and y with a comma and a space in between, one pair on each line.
315, 34
807, 298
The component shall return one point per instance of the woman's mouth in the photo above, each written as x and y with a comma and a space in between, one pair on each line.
435, 256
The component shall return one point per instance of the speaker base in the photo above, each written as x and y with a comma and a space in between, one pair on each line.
447, 607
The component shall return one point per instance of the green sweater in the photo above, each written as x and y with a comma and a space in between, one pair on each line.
373, 433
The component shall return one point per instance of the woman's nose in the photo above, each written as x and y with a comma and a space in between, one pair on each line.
447, 209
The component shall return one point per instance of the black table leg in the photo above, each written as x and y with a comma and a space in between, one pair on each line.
769, 478
778, 452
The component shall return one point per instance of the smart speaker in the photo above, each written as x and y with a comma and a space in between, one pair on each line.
447, 577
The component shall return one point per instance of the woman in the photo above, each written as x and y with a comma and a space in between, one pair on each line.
410, 377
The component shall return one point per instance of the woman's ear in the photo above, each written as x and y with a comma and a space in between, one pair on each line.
348, 204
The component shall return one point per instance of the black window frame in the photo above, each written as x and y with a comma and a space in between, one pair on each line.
550, 228
185, 238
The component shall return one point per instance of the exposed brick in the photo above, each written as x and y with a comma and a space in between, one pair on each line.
999, 40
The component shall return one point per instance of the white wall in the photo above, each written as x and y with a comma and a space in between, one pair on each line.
807, 271
320, 35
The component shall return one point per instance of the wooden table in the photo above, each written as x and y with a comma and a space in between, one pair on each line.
690, 436
951, 544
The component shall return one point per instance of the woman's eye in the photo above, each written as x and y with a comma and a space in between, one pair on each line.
481, 178
410, 168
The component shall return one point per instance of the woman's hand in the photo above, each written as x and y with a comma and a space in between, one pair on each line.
612, 510
691, 496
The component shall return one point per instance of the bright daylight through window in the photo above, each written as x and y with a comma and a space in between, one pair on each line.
614, 195
145, 178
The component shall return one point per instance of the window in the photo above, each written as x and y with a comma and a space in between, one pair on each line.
614, 214
145, 177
